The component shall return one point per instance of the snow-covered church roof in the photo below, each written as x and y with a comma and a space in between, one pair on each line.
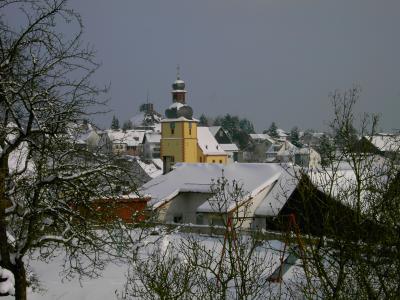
207, 142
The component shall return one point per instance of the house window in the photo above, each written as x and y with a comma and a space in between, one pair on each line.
190, 128
178, 219
220, 161
213, 161
199, 219
201, 159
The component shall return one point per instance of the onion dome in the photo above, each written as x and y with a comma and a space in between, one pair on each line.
177, 110
178, 84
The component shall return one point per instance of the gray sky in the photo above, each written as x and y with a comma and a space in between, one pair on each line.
261, 59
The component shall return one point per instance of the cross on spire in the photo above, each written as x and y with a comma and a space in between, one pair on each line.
178, 72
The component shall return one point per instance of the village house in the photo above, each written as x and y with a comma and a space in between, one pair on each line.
128, 142
258, 146
151, 145
269, 193
184, 195
220, 134
384, 144
232, 151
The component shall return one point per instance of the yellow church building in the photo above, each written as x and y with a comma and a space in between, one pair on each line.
181, 138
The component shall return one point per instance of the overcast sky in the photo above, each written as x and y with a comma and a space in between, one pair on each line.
261, 59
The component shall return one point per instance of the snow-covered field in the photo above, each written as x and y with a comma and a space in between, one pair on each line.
113, 277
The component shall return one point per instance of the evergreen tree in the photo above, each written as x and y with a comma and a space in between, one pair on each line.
127, 125
115, 123
273, 130
246, 125
203, 121
217, 121
294, 137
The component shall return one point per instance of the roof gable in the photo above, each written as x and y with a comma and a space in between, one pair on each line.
207, 142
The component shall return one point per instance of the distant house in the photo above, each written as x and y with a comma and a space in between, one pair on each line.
151, 145
289, 153
282, 135
311, 139
232, 151
281, 152
129, 142
86, 136
209, 150
258, 146
220, 134
307, 157
384, 144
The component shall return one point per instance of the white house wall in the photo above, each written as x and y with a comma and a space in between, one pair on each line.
184, 205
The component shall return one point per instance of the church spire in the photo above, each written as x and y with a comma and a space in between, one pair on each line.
178, 75
178, 88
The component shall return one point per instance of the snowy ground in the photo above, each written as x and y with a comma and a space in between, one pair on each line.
105, 287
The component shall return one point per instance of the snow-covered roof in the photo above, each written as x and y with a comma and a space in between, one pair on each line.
158, 162
274, 201
180, 119
385, 142
207, 142
229, 147
153, 137
198, 178
150, 168
130, 137
262, 137
287, 149
281, 133
214, 129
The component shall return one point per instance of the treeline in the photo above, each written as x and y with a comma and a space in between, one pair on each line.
238, 128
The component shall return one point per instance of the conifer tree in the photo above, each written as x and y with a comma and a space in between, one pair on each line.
273, 130
115, 123
203, 121
294, 137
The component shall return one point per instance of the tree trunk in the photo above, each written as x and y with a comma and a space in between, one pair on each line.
20, 280
4, 248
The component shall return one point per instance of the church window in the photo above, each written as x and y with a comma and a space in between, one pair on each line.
172, 127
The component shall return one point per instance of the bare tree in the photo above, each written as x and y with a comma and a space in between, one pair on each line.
354, 253
190, 266
47, 181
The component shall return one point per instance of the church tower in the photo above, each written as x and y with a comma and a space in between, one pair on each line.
178, 129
